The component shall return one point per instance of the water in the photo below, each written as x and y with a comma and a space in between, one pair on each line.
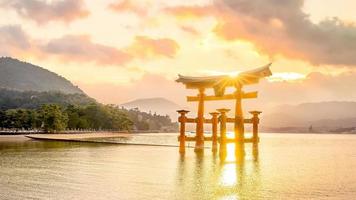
286, 166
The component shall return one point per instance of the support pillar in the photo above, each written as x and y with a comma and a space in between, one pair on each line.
199, 142
182, 120
214, 128
255, 122
255, 151
239, 119
223, 117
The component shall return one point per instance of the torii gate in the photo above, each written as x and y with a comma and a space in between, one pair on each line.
219, 84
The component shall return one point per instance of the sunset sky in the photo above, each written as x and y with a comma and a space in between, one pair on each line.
120, 50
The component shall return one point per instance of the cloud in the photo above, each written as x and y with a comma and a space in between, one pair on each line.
145, 47
13, 40
189, 29
315, 88
191, 12
44, 11
281, 27
82, 49
128, 6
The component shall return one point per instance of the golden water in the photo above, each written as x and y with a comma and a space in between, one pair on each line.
286, 166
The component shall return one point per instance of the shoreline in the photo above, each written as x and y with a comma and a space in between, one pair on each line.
85, 136
144, 133
3, 135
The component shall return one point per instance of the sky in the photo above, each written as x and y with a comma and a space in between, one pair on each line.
121, 50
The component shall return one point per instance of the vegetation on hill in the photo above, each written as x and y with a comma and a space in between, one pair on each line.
11, 99
22, 76
148, 121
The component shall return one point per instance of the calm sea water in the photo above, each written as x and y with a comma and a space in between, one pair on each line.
286, 166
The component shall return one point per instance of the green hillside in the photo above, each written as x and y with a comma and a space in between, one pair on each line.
12, 99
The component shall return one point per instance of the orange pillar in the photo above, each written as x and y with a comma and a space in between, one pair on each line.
182, 120
223, 117
214, 128
199, 141
239, 119
255, 122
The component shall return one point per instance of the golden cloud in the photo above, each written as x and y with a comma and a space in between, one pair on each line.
145, 47
128, 6
81, 49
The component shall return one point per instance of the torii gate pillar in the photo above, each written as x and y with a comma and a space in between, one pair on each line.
199, 144
239, 119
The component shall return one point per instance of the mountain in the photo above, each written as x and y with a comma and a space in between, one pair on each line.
160, 106
325, 115
23, 85
22, 76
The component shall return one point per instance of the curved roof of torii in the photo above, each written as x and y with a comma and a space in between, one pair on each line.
243, 78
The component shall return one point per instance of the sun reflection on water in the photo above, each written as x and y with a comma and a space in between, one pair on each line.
230, 153
230, 135
231, 175
230, 197
228, 175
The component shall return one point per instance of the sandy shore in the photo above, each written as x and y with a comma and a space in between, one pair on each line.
78, 136
23, 138
13, 138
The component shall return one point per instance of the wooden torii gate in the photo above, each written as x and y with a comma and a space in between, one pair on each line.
219, 84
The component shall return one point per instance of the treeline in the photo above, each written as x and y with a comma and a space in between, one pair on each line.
53, 118
94, 116
148, 121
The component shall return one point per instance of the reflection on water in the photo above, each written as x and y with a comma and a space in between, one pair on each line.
232, 175
281, 167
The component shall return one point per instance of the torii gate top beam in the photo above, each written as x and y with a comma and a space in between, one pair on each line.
221, 82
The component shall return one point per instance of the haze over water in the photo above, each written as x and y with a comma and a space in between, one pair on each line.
295, 166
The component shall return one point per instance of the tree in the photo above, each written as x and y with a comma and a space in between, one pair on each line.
73, 116
96, 116
2, 119
18, 119
76, 117
52, 118
118, 120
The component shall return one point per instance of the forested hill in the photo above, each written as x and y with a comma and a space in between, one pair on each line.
22, 76
34, 98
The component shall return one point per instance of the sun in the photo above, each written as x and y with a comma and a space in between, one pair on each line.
233, 74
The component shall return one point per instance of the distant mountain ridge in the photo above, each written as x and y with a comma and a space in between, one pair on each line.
160, 106
333, 114
22, 76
